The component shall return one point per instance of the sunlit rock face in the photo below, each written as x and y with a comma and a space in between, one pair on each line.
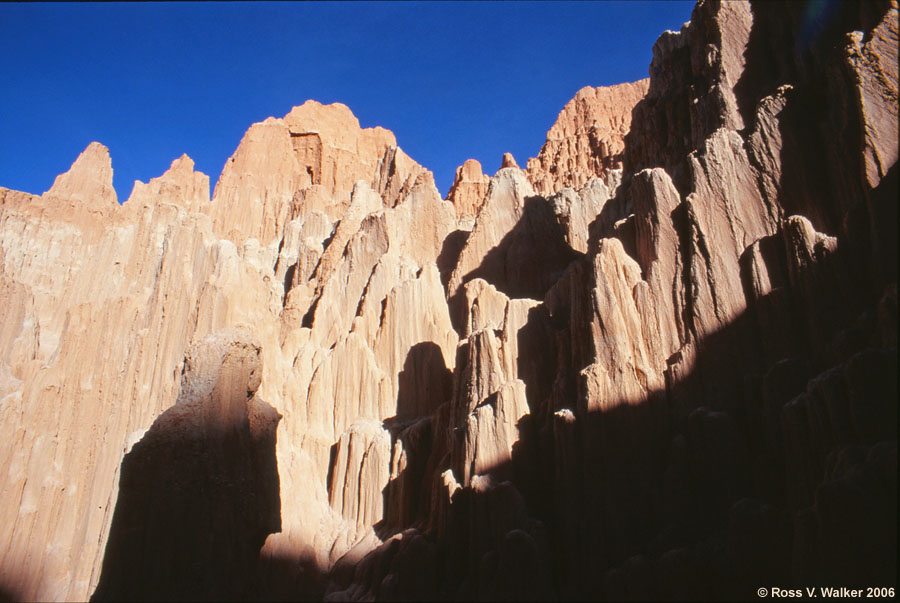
468, 189
659, 363
588, 138
179, 185
314, 146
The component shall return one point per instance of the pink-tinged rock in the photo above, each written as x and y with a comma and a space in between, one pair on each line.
588, 138
313, 145
468, 190
89, 182
508, 161
873, 60
179, 185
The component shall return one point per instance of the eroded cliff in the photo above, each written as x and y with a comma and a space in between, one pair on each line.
659, 363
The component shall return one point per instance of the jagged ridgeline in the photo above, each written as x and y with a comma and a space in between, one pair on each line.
658, 363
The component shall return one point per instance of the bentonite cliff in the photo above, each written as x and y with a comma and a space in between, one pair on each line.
588, 139
660, 363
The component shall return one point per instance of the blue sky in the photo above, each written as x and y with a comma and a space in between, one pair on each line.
154, 80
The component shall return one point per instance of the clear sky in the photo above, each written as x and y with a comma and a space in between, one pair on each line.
154, 80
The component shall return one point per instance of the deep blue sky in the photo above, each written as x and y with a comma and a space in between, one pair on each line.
154, 80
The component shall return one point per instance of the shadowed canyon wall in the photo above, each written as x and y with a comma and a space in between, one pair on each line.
658, 363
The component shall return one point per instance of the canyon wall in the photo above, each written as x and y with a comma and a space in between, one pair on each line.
658, 363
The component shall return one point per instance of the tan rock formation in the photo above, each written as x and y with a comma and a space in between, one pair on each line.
88, 183
869, 58
503, 207
314, 144
576, 211
180, 184
468, 190
516, 243
490, 397
204, 474
158, 247
508, 161
637, 386
361, 472
587, 139
110, 332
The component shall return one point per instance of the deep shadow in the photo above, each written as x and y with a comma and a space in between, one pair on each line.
307, 320
287, 577
198, 494
425, 384
525, 263
771, 450
537, 363
770, 461
10, 592
425, 381
820, 124
791, 42
17, 578
406, 502
640, 504
449, 256
289, 281
531, 257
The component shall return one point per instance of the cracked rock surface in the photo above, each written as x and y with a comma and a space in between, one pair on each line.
659, 363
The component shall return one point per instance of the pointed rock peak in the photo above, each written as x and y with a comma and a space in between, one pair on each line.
89, 181
96, 150
508, 161
182, 164
94, 158
181, 171
468, 189
179, 185
469, 170
425, 180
